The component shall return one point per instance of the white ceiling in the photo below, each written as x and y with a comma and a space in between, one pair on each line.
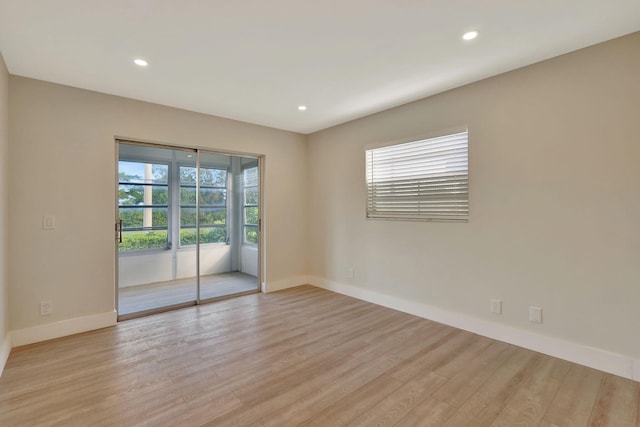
257, 60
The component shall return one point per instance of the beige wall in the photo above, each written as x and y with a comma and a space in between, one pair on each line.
554, 202
63, 163
4, 204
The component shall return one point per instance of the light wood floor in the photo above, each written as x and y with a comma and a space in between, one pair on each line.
134, 299
303, 356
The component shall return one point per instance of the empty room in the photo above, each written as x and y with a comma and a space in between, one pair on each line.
280, 213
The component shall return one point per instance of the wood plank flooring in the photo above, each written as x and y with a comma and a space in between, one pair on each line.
134, 299
302, 356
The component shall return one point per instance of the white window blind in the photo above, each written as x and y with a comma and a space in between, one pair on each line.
427, 179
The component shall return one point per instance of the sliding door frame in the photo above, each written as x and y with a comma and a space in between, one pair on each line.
260, 158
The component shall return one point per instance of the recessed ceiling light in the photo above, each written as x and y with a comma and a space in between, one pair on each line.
302, 107
470, 35
140, 62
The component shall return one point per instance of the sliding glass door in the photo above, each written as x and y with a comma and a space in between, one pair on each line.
188, 227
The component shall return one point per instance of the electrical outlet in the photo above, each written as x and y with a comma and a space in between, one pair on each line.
535, 314
350, 273
46, 308
496, 306
48, 222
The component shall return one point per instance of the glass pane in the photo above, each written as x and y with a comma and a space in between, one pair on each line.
250, 177
188, 217
130, 194
213, 234
144, 217
213, 177
251, 196
187, 236
208, 196
136, 240
138, 194
140, 172
208, 177
251, 234
251, 215
159, 195
207, 235
208, 217
149, 180
188, 196
213, 216
213, 197
152, 272
187, 175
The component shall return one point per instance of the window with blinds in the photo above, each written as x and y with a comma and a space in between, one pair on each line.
420, 180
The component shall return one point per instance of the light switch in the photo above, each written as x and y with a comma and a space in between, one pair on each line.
48, 222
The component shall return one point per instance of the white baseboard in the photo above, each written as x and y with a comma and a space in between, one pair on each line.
581, 354
63, 328
5, 349
290, 282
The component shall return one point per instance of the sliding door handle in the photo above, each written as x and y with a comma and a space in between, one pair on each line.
120, 231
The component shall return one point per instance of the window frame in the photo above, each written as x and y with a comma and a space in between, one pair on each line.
152, 161
423, 200
198, 206
246, 226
